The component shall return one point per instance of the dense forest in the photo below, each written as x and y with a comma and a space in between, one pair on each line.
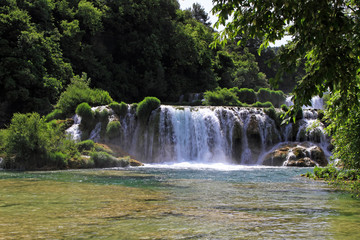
131, 49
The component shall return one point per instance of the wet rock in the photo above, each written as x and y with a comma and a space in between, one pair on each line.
237, 142
303, 162
296, 154
254, 137
135, 163
277, 157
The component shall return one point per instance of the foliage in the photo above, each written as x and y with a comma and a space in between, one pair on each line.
85, 112
271, 112
145, 107
78, 92
345, 135
86, 145
104, 159
267, 95
221, 97
324, 38
113, 129
31, 143
245, 95
347, 179
119, 108
55, 114
262, 105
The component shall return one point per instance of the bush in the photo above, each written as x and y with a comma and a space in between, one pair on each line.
221, 97
86, 145
56, 114
78, 91
58, 160
271, 112
245, 95
31, 143
105, 160
275, 97
262, 104
119, 108
113, 129
87, 116
145, 107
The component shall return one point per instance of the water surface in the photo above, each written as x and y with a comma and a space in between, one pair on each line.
179, 201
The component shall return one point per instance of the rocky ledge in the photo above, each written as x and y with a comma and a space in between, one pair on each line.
303, 154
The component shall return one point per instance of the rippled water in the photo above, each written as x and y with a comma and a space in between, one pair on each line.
179, 201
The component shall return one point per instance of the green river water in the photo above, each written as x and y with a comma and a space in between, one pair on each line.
183, 201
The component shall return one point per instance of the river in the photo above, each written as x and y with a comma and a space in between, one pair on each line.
174, 201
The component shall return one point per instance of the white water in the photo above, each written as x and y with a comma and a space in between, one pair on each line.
74, 131
316, 103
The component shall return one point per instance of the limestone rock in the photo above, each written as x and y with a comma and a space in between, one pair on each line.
296, 154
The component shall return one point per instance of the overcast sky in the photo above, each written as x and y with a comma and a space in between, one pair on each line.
207, 4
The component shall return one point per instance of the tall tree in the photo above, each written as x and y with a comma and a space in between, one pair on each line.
325, 35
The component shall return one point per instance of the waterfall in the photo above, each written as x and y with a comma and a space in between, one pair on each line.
206, 134
316, 103
74, 131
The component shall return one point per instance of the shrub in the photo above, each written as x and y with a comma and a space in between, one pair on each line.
145, 107
119, 108
104, 160
262, 104
245, 95
56, 114
57, 160
221, 97
78, 91
113, 129
275, 97
87, 116
86, 145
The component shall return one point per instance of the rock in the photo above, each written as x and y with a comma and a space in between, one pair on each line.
318, 155
276, 158
303, 162
237, 142
254, 137
135, 163
296, 154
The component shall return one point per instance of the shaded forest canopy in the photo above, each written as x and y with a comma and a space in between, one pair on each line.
130, 48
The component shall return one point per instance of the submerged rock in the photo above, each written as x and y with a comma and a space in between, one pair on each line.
296, 154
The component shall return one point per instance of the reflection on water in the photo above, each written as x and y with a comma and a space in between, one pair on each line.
179, 201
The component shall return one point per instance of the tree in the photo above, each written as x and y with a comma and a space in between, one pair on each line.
324, 36
199, 13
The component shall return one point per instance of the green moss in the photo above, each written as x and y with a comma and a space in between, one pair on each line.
245, 95
56, 114
85, 112
145, 107
105, 160
113, 129
120, 109
86, 145
262, 105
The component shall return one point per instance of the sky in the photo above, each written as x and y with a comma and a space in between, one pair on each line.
207, 4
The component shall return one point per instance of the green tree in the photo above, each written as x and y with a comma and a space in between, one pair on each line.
324, 36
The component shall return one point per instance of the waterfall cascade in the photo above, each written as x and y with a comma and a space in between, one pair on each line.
207, 134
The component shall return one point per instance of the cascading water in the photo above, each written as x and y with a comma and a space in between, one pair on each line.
316, 103
206, 134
